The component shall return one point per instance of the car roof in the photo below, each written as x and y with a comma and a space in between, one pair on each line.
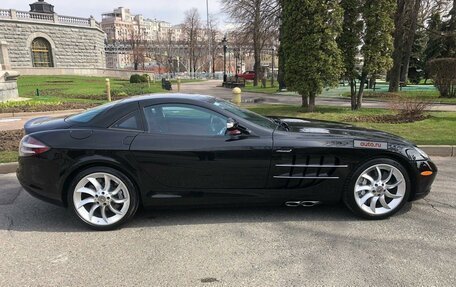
159, 97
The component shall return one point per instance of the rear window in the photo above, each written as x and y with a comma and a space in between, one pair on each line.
130, 122
90, 114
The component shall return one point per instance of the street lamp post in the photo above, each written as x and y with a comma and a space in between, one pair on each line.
224, 42
240, 58
236, 58
209, 33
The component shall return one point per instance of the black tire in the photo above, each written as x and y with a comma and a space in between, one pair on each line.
349, 190
130, 189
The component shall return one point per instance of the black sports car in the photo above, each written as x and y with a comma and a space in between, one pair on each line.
181, 150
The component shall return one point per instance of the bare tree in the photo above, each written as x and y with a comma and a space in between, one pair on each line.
212, 37
431, 7
137, 43
192, 31
256, 19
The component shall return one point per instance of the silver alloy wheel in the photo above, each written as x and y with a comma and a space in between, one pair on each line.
380, 189
101, 199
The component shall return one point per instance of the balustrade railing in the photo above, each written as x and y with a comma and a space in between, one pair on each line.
5, 13
48, 18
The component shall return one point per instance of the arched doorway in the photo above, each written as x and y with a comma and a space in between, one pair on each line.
41, 53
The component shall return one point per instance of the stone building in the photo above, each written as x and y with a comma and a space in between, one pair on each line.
41, 38
122, 27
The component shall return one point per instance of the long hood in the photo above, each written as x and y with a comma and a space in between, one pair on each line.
317, 127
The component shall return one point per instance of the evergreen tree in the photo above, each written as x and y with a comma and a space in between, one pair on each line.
378, 41
449, 33
435, 46
311, 54
367, 24
350, 41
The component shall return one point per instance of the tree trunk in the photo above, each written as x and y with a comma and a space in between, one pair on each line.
257, 66
353, 93
311, 107
305, 101
256, 43
281, 74
372, 80
395, 72
359, 98
409, 40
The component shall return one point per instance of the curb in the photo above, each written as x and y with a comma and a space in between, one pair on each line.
439, 150
8, 167
431, 150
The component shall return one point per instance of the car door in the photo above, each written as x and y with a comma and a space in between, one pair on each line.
186, 150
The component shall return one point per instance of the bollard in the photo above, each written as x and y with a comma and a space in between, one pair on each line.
178, 84
37, 92
237, 96
108, 89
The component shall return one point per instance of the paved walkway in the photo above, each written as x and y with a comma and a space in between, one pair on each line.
213, 88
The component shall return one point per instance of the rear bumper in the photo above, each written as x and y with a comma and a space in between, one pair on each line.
422, 184
40, 177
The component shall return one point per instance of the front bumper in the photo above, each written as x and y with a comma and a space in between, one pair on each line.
422, 184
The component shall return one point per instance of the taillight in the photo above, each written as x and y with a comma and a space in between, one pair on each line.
30, 146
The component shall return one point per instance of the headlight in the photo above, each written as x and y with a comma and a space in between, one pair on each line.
417, 154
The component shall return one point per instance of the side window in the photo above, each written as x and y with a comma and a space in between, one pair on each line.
129, 122
180, 119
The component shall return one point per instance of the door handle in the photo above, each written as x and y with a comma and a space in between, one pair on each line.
284, 150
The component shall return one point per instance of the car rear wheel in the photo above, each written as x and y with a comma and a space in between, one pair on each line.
103, 198
377, 189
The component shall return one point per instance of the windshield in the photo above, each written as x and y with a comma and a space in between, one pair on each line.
246, 114
88, 115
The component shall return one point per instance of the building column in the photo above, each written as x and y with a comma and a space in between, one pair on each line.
13, 14
5, 63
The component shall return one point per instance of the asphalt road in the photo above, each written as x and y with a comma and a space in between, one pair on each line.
43, 245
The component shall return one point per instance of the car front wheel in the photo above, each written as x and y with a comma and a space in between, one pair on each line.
103, 198
378, 189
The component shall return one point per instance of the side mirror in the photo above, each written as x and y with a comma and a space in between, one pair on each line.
234, 129
231, 125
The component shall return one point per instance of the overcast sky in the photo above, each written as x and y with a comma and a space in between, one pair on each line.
167, 10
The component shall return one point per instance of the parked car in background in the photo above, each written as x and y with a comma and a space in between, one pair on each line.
248, 75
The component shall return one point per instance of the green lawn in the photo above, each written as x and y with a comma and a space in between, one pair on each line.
77, 87
439, 129
258, 89
8, 156
71, 92
420, 92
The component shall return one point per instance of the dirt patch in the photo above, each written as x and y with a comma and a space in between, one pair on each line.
47, 108
9, 140
58, 82
386, 119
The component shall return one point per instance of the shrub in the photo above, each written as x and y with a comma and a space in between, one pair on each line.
138, 79
409, 109
131, 90
443, 72
146, 77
